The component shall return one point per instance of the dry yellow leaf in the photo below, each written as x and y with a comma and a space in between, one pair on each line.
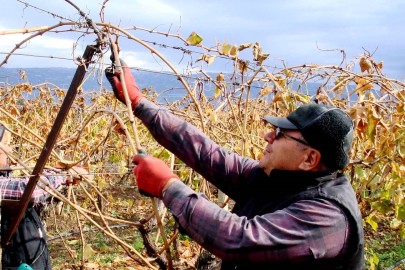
213, 117
277, 97
120, 144
365, 65
141, 202
88, 252
322, 97
372, 121
209, 59
72, 242
400, 108
280, 80
258, 55
396, 224
234, 50
242, 66
14, 112
256, 117
267, 90
102, 183
363, 85
186, 254
67, 164
87, 129
288, 73
220, 77
217, 93
302, 98
245, 46
23, 75
91, 266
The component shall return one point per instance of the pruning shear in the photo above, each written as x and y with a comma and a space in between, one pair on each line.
113, 69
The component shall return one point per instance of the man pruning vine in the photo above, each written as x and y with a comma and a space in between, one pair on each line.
293, 208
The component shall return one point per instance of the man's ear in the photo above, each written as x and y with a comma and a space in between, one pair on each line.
311, 160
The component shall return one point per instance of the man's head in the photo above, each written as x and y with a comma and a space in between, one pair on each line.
4, 140
326, 135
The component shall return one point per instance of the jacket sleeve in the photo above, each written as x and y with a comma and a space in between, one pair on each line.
306, 230
12, 188
228, 171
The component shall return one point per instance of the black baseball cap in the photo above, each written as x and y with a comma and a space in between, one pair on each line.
327, 129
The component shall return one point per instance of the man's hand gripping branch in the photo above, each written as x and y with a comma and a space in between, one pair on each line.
133, 91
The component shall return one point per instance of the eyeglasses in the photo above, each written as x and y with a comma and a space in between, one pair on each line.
279, 132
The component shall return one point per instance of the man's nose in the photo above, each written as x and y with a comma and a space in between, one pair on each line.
270, 136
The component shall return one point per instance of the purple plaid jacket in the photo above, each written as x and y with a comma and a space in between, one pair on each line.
13, 188
284, 235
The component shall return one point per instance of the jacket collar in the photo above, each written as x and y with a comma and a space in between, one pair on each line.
301, 176
281, 182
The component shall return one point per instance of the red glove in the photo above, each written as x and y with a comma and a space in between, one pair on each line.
133, 91
151, 174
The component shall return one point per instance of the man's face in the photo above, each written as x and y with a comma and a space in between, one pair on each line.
281, 153
3, 157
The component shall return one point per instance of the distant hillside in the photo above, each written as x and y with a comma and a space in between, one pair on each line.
62, 77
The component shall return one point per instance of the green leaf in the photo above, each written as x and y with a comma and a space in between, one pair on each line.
383, 206
166, 154
373, 184
194, 38
360, 173
385, 194
171, 221
114, 158
400, 211
102, 122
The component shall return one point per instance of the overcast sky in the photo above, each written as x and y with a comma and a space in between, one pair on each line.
286, 29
